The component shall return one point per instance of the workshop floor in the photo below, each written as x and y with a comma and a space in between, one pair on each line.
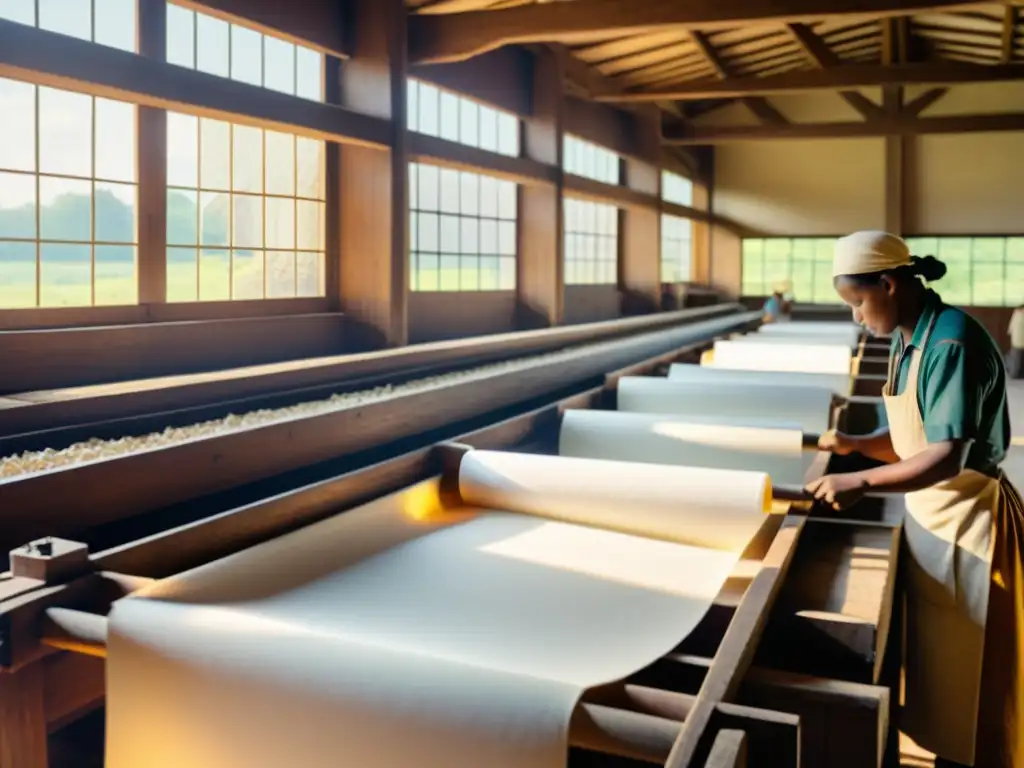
85, 737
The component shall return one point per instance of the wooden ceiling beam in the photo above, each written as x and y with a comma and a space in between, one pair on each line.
455, 36
817, 50
916, 106
846, 76
595, 84
823, 57
758, 105
888, 125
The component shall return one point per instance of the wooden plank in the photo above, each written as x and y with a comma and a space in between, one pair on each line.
59, 61
846, 76
882, 126
640, 240
739, 645
456, 36
540, 264
49, 409
373, 275
613, 194
729, 750
115, 489
23, 719
451, 154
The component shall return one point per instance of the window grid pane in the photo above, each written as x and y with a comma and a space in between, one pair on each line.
206, 43
462, 230
450, 116
583, 158
68, 199
245, 212
591, 243
981, 271
676, 249
676, 189
105, 22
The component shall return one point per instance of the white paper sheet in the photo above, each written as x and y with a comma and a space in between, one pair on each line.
399, 634
796, 357
709, 375
839, 332
672, 503
658, 439
809, 407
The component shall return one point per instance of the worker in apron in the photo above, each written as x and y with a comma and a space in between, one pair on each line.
777, 308
948, 431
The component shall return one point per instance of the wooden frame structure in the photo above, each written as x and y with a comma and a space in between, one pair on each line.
51, 623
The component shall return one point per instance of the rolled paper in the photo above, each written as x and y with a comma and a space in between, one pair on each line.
809, 407
710, 376
792, 357
678, 440
401, 633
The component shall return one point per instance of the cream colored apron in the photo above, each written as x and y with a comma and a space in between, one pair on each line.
948, 532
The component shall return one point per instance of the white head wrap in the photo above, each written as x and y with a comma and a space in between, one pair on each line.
869, 251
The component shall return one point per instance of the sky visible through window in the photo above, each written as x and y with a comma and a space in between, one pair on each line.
676, 249
981, 271
68, 186
217, 47
67, 198
676, 189
245, 212
462, 230
437, 112
591, 243
583, 158
107, 22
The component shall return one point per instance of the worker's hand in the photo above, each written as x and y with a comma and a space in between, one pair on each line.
839, 491
835, 442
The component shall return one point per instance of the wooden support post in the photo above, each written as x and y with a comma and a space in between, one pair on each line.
23, 718
372, 187
640, 251
540, 271
151, 164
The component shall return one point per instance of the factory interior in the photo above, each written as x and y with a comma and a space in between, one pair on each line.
498, 397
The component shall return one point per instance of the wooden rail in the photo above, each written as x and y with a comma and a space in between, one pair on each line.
80, 497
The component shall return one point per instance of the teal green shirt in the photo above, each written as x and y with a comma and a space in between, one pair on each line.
961, 386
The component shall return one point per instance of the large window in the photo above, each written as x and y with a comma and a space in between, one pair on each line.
981, 271
462, 230
217, 47
804, 261
68, 198
582, 158
591, 243
107, 22
437, 112
245, 212
676, 249
676, 189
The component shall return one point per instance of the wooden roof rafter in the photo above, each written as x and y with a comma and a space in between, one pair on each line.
847, 76
456, 36
904, 122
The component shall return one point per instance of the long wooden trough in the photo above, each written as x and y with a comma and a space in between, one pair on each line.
792, 666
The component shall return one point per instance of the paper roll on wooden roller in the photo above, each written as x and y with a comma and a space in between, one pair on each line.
407, 633
710, 376
659, 439
843, 333
808, 407
792, 357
